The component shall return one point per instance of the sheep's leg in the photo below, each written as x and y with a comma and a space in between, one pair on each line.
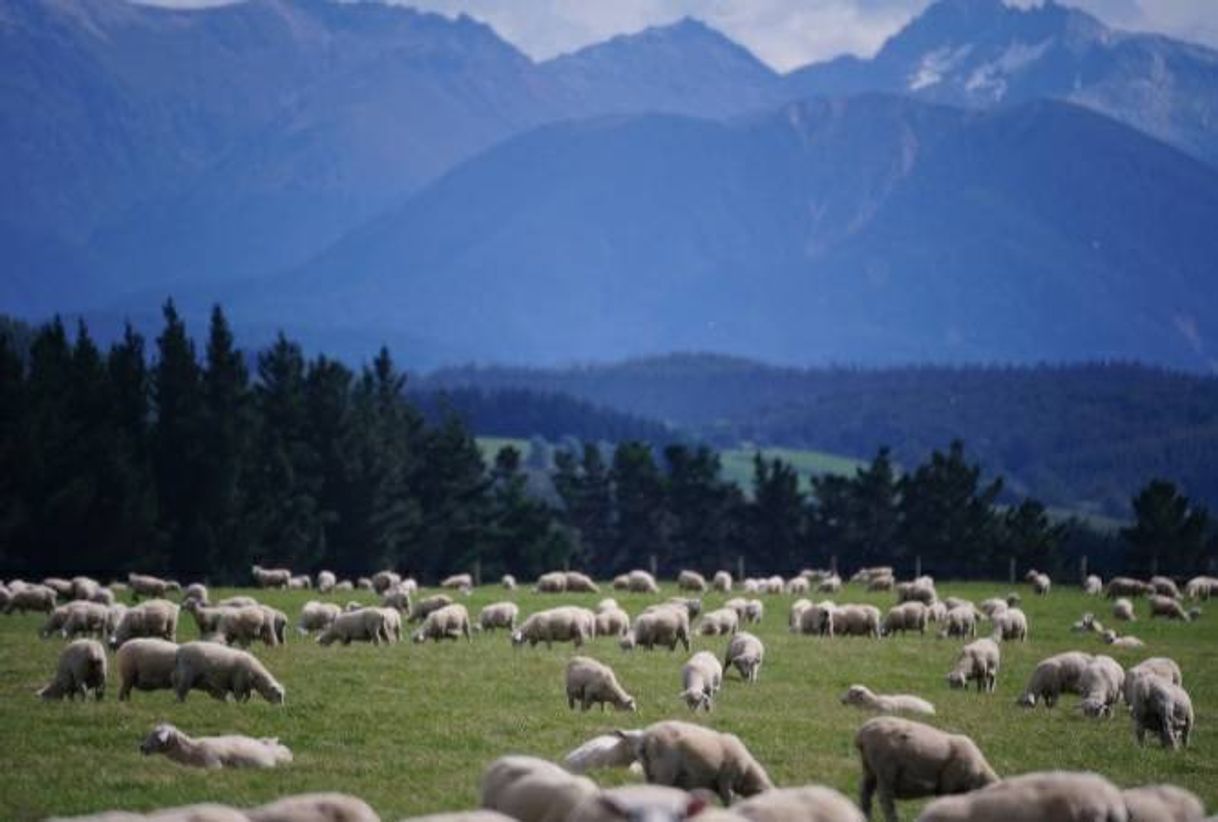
888, 804
867, 790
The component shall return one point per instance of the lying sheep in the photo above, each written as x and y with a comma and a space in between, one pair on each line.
1093, 585
1163, 708
213, 752
241, 626
682, 755
612, 622
1034, 797
30, 598
605, 751
691, 581
908, 616
978, 661
154, 618
81, 668
146, 665
855, 620
810, 803
860, 696
271, 577
424, 607
563, 624
590, 682
747, 653
1101, 685
1163, 606
317, 616
450, 622
721, 621
532, 790
220, 671
701, 679
1162, 803
641, 582
1160, 666
326, 580
499, 615
1011, 624
1061, 673
1111, 638
1087, 623
903, 759
722, 582
313, 807
664, 626
360, 625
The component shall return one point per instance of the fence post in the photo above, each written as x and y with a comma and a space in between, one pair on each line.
739, 568
1082, 569
917, 566
1154, 565
833, 563
1011, 571
651, 561
478, 573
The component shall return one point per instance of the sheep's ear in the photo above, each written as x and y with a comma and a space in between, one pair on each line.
162, 734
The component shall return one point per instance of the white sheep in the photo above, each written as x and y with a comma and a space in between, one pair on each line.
641, 582
241, 626
959, 622
978, 661
1058, 796
326, 580
1101, 685
154, 618
300, 582
1040, 583
1011, 624
360, 625
908, 616
810, 803
754, 611
746, 652
817, 619
701, 679
237, 602
992, 607
81, 668
317, 616
721, 621
1165, 586
1163, 667
532, 790
722, 582
1201, 587
1163, 708
85, 588
566, 623
271, 577
1111, 638
213, 752
30, 598
220, 670
921, 590
508, 582
800, 586
553, 582
145, 664
381, 581
499, 615
612, 622
1093, 586
590, 682
605, 751
312, 807
691, 581
145, 585
1162, 803
459, 582
882, 583
425, 606
1058, 674
860, 696
683, 755
62, 587
1164, 606
665, 626
903, 759
79, 618
796, 612
397, 598
1125, 587
449, 622
855, 620
830, 585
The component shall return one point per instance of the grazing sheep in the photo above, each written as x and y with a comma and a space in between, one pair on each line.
458, 582
686, 756
882, 583
499, 615
590, 682
1058, 796
1115, 641
30, 598
1164, 606
220, 671
508, 581
361, 625
1011, 624
921, 590
81, 669
800, 586
718, 622
605, 751
992, 607
366, 584
817, 619
641, 582
868, 574
1125, 587
554, 582
959, 622
563, 624
1162, 803
691, 581
301, 582
146, 665
237, 602
621, 582
317, 616
1040, 583
1160, 666
382, 581
754, 611
612, 622
796, 612
241, 626
1164, 586
397, 598
581, 583
104, 596
314, 807
505, 770
450, 622
830, 585
84, 588
214, 752
855, 620
722, 582
1201, 587
903, 759
154, 618
1122, 610
665, 626
271, 577
1058, 674
1101, 685
425, 606
62, 587
326, 580
861, 696
207, 618
1093, 585
810, 803
630, 803
701, 679
392, 624
79, 618
344, 585
532, 790
1163, 708
908, 616
978, 661
747, 653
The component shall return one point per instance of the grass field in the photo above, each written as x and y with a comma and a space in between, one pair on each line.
409, 728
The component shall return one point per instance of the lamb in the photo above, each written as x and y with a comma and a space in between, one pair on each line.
719, 621
1101, 685
326, 580
424, 607
362, 625
154, 618
449, 622
1164, 586
554, 582
747, 653
30, 598
908, 616
1058, 674
811, 803
687, 756
612, 622
271, 577
1163, 708
605, 751
977, 661
1088, 624
1034, 797
666, 625
382, 581
862, 697
701, 679
1160, 666
641, 582
1093, 586
960, 622
1162, 803
1164, 606
532, 790
81, 669
508, 582
1115, 641
213, 752
855, 620
499, 615
590, 682
581, 583
146, 665
563, 624
314, 807
722, 582
241, 626
903, 759
220, 671
1125, 587
1010, 624
317, 616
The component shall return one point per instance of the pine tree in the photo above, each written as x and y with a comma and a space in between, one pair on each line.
643, 525
1169, 532
1027, 533
697, 500
522, 535
137, 543
328, 387
778, 527
14, 514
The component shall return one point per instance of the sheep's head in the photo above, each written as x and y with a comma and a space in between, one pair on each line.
628, 704
159, 740
1109, 636
274, 693
957, 680
695, 698
1027, 700
418, 637
1095, 708
855, 695
627, 642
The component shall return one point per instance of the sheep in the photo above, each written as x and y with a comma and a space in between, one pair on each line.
581, 583
882, 583
1125, 587
532, 790
153, 618
1058, 674
499, 615
220, 670
1101, 685
554, 582
30, 598
977, 661
241, 626
627, 803
641, 582
458, 582
271, 577
722, 582
213, 752
719, 621
691, 581
1164, 586
382, 581
1160, 666
817, 619
687, 756
81, 668
237, 602
1010, 624
300, 582
1115, 641
84, 588
563, 624
62, 587
1040, 582
1034, 797
1122, 610
798, 586
665, 626
1201, 587
903, 759
612, 622
605, 751
908, 616
344, 585
461, 816
361, 625
810, 803
590, 682
326, 580
960, 622
868, 574
104, 596
1088, 624
921, 590
747, 653
1163, 708
279, 623
1162, 803
145, 664
449, 622
397, 598
701, 679
207, 618
197, 592
317, 616
992, 607
795, 614
143, 585
314, 807
754, 611
861, 696
425, 606
392, 625
77, 618
855, 620
1164, 606
738, 604
1093, 586
204, 812
830, 585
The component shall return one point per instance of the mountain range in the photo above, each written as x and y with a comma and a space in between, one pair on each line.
995, 184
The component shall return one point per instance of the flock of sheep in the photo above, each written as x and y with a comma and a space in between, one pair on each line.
685, 765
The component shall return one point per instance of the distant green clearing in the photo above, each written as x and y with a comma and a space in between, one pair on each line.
409, 728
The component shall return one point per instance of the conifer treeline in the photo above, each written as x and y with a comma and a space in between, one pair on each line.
183, 462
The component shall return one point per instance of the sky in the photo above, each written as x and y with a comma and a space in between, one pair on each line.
784, 33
